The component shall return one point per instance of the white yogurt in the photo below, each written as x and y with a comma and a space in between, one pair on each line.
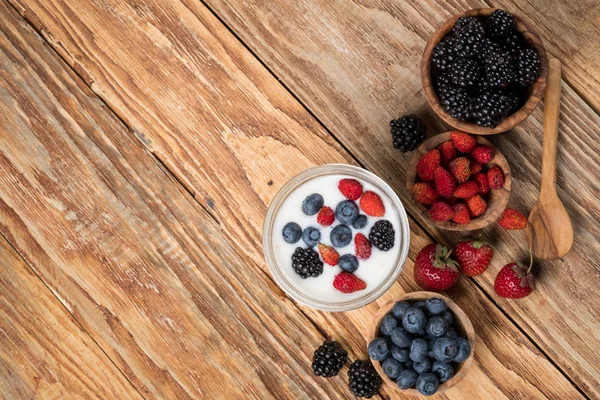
373, 271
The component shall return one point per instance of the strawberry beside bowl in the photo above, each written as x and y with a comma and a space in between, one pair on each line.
495, 199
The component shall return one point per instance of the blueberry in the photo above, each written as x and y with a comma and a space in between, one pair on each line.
408, 363
418, 350
464, 349
379, 349
448, 317
346, 212
291, 232
452, 333
388, 323
348, 263
399, 308
427, 383
360, 222
312, 204
407, 379
437, 326
392, 367
341, 236
399, 353
311, 236
445, 349
435, 306
430, 354
400, 337
419, 304
414, 320
422, 366
444, 371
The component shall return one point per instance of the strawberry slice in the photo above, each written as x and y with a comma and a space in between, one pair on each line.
346, 282
362, 247
350, 188
328, 254
371, 204
326, 216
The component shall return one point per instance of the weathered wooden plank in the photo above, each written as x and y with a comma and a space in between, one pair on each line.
44, 353
230, 109
355, 65
135, 259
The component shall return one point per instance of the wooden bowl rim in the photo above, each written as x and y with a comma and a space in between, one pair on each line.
537, 90
498, 198
465, 327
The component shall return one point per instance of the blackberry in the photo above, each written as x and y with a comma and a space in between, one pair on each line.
499, 68
469, 41
500, 23
328, 359
527, 67
489, 46
464, 22
465, 72
363, 379
382, 235
443, 54
511, 43
455, 100
306, 262
407, 132
490, 108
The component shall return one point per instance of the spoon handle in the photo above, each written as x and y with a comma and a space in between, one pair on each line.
551, 115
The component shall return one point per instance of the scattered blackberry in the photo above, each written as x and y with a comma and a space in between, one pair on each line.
527, 67
465, 72
488, 47
363, 379
407, 132
489, 108
382, 235
455, 100
306, 262
499, 68
464, 22
443, 54
512, 43
328, 359
469, 41
500, 23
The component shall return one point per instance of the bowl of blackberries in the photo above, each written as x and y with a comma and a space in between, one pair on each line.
421, 344
484, 71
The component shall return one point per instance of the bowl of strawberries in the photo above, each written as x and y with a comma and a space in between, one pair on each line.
459, 181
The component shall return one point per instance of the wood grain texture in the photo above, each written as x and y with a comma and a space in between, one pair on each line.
497, 199
129, 253
233, 136
356, 66
536, 91
44, 353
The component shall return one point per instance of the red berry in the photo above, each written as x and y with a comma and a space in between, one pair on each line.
482, 181
461, 214
428, 164
475, 167
326, 216
466, 190
512, 220
474, 256
495, 177
463, 141
371, 204
350, 188
346, 282
461, 169
514, 281
476, 205
441, 211
447, 152
444, 182
425, 193
362, 247
482, 154
328, 254
434, 269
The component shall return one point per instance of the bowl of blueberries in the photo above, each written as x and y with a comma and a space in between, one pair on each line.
421, 344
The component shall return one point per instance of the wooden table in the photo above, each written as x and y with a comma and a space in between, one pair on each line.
141, 142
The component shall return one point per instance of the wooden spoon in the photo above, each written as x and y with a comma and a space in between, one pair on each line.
549, 228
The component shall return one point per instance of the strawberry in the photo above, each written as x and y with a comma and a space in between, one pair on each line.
434, 269
326, 216
514, 281
475, 167
476, 205
461, 214
451, 200
362, 247
482, 181
466, 190
447, 152
328, 254
428, 164
463, 141
495, 177
512, 220
441, 211
474, 256
350, 188
371, 204
444, 182
482, 154
347, 282
461, 169
425, 193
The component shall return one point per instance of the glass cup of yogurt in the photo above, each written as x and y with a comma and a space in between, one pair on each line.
293, 233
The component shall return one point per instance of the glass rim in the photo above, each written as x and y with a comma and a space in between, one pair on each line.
323, 170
